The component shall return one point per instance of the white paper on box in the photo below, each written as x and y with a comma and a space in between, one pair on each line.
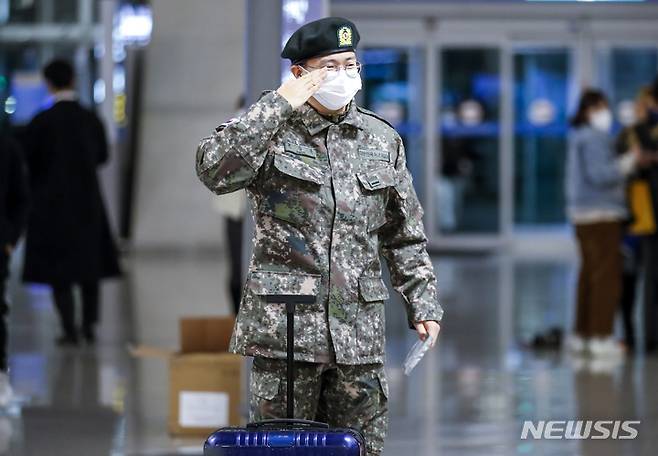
203, 409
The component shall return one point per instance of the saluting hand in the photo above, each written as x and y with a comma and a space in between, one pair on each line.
298, 90
430, 327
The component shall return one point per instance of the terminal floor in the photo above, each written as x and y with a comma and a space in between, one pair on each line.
469, 396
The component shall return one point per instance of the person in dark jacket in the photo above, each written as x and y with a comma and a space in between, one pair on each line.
645, 135
635, 237
68, 238
13, 213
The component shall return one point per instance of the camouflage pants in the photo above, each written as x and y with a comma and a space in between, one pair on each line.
341, 395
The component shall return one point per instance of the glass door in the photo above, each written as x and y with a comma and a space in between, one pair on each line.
541, 81
466, 189
392, 87
624, 71
484, 113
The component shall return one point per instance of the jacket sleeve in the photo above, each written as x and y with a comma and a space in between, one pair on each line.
229, 159
18, 190
600, 166
403, 245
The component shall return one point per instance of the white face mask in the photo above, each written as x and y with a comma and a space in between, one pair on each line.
601, 120
339, 91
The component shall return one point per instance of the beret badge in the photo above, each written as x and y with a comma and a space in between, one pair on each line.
344, 36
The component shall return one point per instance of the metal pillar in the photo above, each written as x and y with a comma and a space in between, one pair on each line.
263, 64
263, 46
108, 8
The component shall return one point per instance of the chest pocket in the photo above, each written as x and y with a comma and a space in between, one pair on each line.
375, 188
293, 190
300, 150
298, 168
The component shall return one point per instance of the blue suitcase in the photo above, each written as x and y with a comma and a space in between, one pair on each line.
286, 436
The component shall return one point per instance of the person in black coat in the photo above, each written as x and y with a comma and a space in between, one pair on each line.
13, 214
68, 238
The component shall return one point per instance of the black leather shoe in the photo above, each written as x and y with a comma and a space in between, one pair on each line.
89, 336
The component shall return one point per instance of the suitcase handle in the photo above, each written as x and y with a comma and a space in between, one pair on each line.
290, 301
287, 422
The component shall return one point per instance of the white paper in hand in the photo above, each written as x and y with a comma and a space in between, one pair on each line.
416, 354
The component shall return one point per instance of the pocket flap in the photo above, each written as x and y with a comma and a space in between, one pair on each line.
402, 187
275, 282
402, 191
376, 219
267, 387
264, 383
378, 178
383, 382
297, 168
373, 289
300, 149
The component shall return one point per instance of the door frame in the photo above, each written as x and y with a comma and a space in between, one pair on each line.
426, 35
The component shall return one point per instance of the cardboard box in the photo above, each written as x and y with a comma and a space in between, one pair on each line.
205, 380
205, 334
204, 392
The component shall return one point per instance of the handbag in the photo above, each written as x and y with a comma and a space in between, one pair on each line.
641, 207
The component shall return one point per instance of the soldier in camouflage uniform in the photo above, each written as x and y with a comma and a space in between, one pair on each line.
329, 191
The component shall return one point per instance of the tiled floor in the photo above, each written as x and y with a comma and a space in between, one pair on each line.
469, 396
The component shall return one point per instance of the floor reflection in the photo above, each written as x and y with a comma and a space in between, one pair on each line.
468, 397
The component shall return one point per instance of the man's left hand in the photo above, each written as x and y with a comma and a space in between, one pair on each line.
426, 327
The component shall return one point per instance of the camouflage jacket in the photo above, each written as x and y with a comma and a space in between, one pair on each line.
327, 198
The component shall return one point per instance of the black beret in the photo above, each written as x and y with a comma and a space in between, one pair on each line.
324, 36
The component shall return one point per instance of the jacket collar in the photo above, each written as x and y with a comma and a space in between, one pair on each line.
316, 122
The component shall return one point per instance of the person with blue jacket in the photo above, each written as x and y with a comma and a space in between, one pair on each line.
596, 206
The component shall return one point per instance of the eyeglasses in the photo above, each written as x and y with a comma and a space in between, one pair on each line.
352, 69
